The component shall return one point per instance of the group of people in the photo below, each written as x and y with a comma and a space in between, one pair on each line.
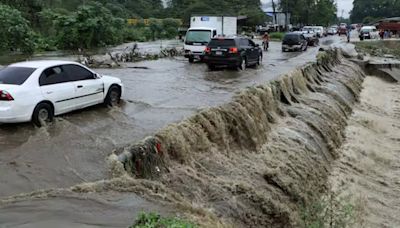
384, 34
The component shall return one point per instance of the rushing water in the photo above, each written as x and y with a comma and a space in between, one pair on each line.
255, 160
250, 162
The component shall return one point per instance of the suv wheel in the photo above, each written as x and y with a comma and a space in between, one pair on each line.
259, 61
42, 114
243, 64
191, 59
211, 67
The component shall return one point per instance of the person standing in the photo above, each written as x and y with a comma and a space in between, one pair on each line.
348, 33
386, 34
265, 39
381, 34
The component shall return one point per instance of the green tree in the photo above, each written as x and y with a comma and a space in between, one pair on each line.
372, 9
15, 31
185, 8
92, 25
321, 12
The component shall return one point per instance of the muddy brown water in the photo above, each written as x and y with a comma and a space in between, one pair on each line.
254, 161
74, 149
368, 171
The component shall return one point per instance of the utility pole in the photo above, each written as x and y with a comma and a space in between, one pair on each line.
274, 10
287, 15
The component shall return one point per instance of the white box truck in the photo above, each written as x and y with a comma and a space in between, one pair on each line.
202, 29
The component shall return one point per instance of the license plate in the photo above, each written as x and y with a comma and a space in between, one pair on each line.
218, 52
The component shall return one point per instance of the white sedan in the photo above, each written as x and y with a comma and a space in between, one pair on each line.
39, 90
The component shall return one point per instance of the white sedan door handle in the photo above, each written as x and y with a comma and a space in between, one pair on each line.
49, 92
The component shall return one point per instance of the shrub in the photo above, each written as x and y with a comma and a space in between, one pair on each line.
330, 211
15, 35
277, 35
149, 220
92, 25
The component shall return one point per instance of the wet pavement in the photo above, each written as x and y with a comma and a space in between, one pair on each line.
96, 210
74, 148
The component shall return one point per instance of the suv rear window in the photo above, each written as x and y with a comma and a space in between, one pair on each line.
15, 75
291, 37
222, 43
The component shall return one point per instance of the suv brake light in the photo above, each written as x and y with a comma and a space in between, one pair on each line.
5, 96
233, 50
208, 50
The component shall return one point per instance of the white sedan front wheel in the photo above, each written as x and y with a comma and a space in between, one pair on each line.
113, 96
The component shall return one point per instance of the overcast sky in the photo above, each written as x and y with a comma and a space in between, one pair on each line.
345, 5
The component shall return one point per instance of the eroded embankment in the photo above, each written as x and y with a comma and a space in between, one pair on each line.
256, 161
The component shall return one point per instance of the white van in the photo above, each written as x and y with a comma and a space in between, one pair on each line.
202, 29
369, 32
319, 30
196, 41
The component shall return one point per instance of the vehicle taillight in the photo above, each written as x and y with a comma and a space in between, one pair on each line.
5, 96
208, 50
233, 50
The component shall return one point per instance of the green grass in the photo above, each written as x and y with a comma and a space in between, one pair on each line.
153, 220
277, 35
379, 48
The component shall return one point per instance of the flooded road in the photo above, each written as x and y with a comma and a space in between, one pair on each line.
73, 149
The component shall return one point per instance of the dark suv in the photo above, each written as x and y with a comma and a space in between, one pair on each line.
294, 41
238, 53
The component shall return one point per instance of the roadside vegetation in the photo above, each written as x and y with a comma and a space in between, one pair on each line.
15, 31
367, 11
276, 36
379, 48
153, 220
44, 25
331, 211
308, 12
328, 213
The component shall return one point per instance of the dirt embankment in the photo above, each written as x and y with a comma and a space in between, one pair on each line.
368, 171
256, 161
380, 48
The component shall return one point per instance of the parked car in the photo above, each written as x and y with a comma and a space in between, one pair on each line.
310, 35
319, 31
342, 29
369, 32
294, 41
39, 90
307, 29
312, 39
332, 31
235, 52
